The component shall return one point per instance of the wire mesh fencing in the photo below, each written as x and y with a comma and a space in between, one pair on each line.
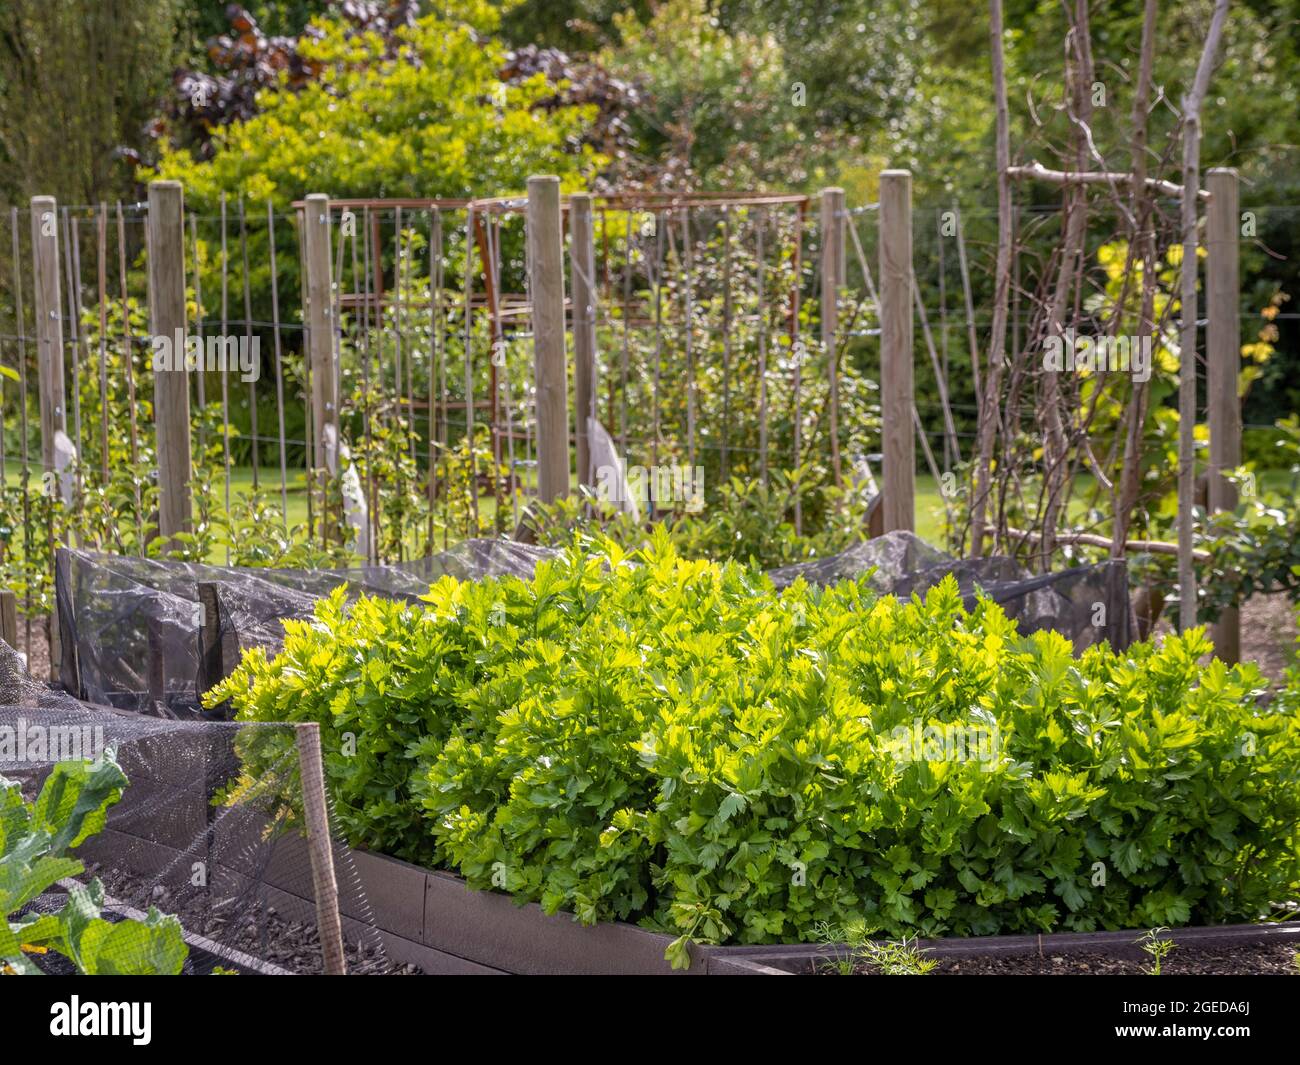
141, 845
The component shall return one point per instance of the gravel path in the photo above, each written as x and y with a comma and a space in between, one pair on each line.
1268, 634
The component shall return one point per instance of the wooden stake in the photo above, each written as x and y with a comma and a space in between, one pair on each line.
253, 434
101, 278
972, 341
225, 377
833, 267
688, 332
171, 405
1223, 358
49, 325
761, 311
9, 618
24, 473
128, 363
582, 274
1187, 370
198, 325
315, 812
896, 386
727, 317
320, 334
546, 286
467, 361
49, 364
279, 369
796, 359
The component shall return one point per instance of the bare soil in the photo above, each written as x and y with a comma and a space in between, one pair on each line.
1276, 959
1249, 959
247, 924
1268, 634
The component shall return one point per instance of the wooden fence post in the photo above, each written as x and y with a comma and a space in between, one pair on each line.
47, 307
171, 404
1223, 361
546, 287
582, 271
896, 388
320, 334
49, 326
833, 268
9, 617
316, 814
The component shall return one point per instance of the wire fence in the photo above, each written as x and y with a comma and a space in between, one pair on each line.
708, 320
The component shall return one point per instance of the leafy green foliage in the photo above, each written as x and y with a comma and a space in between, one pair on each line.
422, 114
903, 958
746, 521
1157, 948
78, 85
671, 742
35, 839
1254, 548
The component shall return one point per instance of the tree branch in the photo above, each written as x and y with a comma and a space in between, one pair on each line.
1036, 171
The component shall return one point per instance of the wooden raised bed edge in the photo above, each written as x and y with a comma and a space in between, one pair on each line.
802, 958
433, 919
492, 930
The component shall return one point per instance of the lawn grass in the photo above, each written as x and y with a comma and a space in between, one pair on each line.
929, 501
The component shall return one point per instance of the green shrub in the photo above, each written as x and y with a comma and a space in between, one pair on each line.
672, 742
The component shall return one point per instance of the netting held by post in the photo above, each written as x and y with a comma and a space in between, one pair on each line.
144, 845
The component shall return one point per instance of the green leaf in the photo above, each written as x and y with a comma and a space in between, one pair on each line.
21, 881
154, 946
74, 801
678, 953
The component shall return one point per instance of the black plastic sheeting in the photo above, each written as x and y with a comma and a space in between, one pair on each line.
132, 628
151, 636
1087, 604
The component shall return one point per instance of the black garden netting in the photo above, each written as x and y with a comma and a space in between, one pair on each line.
136, 844
1087, 604
151, 636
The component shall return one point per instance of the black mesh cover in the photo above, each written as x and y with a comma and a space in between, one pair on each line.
190, 832
151, 636
141, 634
1087, 604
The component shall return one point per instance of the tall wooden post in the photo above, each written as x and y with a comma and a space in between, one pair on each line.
9, 618
49, 326
833, 268
1223, 362
49, 362
582, 271
171, 403
320, 334
329, 925
546, 287
896, 387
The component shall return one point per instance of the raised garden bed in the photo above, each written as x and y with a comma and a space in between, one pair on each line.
1227, 949
490, 930
432, 920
